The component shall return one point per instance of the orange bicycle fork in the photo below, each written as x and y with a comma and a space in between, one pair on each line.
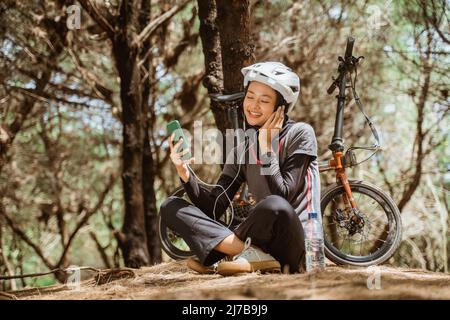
341, 177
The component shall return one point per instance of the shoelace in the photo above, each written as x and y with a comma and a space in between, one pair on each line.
247, 248
215, 266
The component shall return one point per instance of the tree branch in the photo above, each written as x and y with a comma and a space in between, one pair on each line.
16, 229
87, 215
385, 178
420, 136
97, 17
100, 249
151, 27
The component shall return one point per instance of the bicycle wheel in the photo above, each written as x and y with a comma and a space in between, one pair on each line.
367, 236
172, 243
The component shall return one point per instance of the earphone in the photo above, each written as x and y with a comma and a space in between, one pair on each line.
225, 190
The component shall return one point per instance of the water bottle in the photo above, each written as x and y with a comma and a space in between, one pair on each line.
315, 258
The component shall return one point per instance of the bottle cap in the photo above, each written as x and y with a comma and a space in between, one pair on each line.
312, 215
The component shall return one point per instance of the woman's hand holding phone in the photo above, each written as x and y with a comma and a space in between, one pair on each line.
176, 158
272, 127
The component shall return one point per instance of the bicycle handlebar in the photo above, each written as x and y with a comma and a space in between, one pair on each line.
331, 89
347, 61
349, 48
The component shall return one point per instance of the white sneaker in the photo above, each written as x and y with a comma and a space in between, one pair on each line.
251, 259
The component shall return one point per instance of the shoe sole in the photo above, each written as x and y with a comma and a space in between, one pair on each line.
231, 268
198, 267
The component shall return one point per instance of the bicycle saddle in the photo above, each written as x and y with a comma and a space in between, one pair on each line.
227, 97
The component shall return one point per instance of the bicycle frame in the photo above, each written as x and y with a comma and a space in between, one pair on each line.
337, 146
338, 166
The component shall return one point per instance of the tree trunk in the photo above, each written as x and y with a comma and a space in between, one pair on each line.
148, 169
213, 81
151, 218
233, 18
133, 240
129, 32
6, 263
225, 35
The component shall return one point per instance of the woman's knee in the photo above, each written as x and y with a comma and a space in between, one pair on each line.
277, 205
170, 206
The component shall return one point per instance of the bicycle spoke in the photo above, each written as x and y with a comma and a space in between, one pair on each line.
347, 239
382, 230
360, 246
380, 240
375, 220
380, 227
359, 197
367, 241
372, 211
365, 210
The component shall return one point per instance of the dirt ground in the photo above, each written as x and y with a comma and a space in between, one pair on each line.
173, 280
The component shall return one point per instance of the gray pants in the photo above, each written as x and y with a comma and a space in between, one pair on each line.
272, 225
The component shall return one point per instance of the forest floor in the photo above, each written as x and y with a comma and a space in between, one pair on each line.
173, 280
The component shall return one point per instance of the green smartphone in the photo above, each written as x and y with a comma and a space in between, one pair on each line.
174, 126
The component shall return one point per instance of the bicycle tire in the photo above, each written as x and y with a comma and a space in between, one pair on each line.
167, 245
393, 238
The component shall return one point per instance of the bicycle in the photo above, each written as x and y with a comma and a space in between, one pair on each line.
354, 234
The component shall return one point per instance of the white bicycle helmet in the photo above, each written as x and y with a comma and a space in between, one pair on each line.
277, 76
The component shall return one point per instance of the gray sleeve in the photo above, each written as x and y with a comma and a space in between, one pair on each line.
301, 150
302, 140
288, 181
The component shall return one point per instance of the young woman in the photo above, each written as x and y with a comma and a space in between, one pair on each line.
271, 237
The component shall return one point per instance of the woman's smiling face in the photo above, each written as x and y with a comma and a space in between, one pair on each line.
259, 103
